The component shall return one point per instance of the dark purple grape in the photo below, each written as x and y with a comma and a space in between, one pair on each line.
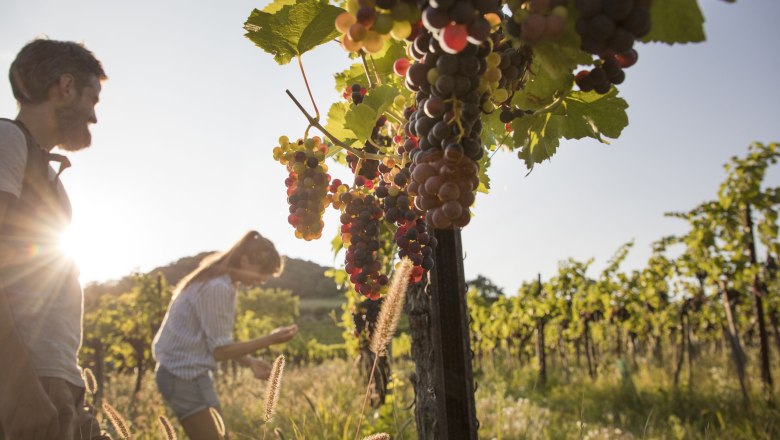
618, 77
445, 84
434, 107
462, 12
603, 87
478, 30
588, 8
637, 22
468, 66
447, 64
417, 74
600, 28
621, 41
435, 19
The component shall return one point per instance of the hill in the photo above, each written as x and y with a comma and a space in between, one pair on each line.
304, 278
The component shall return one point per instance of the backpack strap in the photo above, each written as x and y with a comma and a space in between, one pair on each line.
36, 217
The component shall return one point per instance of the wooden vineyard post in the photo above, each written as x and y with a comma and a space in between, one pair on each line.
456, 415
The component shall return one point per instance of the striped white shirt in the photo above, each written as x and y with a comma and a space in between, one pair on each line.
199, 319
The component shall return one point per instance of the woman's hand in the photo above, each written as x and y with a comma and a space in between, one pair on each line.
260, 368
283, 334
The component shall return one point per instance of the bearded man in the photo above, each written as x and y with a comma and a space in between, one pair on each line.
57, 85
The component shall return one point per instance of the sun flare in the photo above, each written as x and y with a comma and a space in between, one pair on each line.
90, 248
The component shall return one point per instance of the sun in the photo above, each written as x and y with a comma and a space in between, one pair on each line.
88, 247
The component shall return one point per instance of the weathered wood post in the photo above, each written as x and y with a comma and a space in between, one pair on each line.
456, 415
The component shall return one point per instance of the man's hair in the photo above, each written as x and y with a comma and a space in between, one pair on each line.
41, 63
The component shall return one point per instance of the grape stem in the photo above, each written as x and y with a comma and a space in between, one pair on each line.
395, 117
306, 81
368, 71
314, 122
376, 72
500, 144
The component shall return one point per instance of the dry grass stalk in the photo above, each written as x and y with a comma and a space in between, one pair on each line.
120, 426
390, 313
167, 428
274, 388
218, 422
89, 381
380, 436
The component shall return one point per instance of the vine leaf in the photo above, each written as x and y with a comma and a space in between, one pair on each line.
288, 28
337, 125
551, 70
591, 115
539, 137
484, 179
580, 115
493, 131
361, 118
676, 21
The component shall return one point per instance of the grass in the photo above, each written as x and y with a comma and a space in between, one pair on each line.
323, 402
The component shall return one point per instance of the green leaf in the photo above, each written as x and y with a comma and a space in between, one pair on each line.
277, 5
286, 29
494, 134
552, 70
337, 125
361, 118
336, 245
675, 21
539, 136
580, 115
484, 179
589, 114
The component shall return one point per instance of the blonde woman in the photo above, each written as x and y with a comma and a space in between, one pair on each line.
197, 331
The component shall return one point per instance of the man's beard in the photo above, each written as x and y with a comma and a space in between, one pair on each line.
73, 127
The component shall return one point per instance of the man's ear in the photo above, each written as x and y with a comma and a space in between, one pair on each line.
66, 88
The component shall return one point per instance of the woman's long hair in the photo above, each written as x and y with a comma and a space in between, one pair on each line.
258, 249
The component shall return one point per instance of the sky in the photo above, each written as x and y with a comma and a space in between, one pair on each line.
181, 157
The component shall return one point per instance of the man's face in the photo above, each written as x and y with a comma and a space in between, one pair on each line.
74, 117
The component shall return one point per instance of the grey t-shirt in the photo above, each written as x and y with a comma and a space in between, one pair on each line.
47, 303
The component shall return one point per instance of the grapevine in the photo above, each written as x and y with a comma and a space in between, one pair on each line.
439, 86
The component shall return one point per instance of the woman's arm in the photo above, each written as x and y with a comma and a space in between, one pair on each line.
240, 349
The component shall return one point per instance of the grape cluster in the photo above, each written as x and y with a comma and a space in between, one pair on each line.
414, 241
444, 186
456, 23
396, 203
336, 189
608, 71
307, 184
447, 111
608, 28
354, 93
446, 122
360, 222
368, 25
536, 20
506, 68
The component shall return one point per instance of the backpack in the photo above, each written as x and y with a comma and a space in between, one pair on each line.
40, 214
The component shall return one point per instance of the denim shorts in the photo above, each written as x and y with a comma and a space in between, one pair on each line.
186, 396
